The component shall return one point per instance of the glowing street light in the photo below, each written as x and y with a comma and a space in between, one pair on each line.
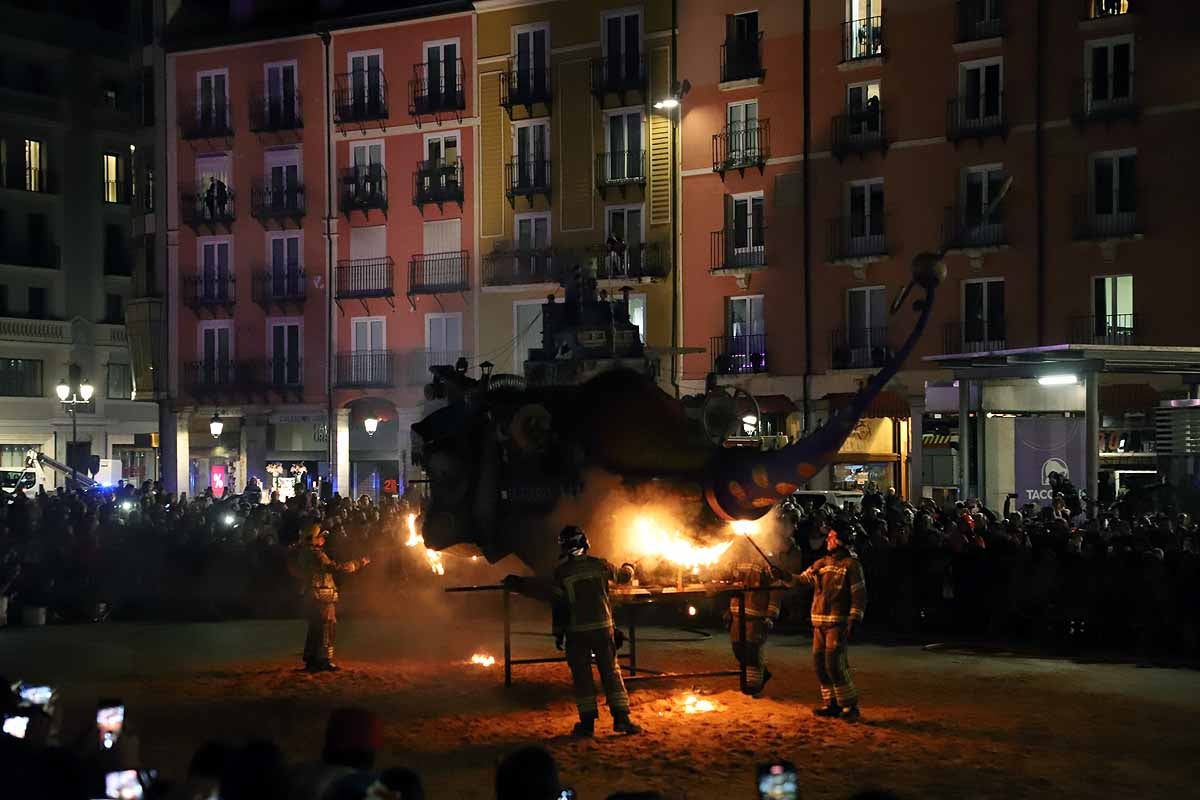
371, 424
215, 426
1058, 380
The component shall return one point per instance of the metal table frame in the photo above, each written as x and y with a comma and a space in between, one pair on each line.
632, 601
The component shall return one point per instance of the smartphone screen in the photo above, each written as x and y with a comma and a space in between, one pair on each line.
777, 781
123, 785
110, 718
566, 794
15, 726
39, 696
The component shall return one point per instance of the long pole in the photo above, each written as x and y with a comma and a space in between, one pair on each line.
805, 168
330, 423
74, 438
676, 255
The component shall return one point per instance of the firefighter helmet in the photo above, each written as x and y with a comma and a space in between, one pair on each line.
572, 540
311, 532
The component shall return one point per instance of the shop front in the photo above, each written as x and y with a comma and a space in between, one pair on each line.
875, 455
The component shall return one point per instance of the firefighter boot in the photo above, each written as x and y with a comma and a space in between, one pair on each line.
586, 727
328, 632
851, 713
830, 710
623, 724
757, 693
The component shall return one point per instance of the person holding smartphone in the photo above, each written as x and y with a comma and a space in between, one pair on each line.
313, 566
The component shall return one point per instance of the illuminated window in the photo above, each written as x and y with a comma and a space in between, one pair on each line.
112, 164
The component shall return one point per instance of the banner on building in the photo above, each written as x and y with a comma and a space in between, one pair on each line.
1043, 445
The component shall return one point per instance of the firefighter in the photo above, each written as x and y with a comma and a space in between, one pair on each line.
583, 625
839, 601
313, 566
762, 612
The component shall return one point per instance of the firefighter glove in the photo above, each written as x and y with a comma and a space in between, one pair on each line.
780, 574
558, 640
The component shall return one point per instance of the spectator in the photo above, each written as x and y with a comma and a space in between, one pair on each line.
528, 774
255, 772
352, 738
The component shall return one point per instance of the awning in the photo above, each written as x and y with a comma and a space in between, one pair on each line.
886, 405
938, 440
770, 404
1125, 398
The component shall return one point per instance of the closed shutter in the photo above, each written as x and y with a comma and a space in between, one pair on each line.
659, 191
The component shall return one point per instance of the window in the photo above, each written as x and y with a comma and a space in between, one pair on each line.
865, 213
37, 302
120, 382
527, 331
866, 325
981, 185
215, 270
863, 34
741, 59
212, 172
625, 152
367, 158
34, 166
137, 463
13, 455
745, 335
366, 83
623, 236
531, 149
20, 377
116, 254
533, 257
280, 95
1109, 70
369, 345
637, 314
212, 100
622, 47
1109, 8
114, 309
441, 166
1112, 298
983, 312
744, 230
285, 352
112, 184
862, 108
110, 96
743, 131
283, 179
443, 334
286, 277
1113, 190
443, 74
980, 90
216, 352
531, 44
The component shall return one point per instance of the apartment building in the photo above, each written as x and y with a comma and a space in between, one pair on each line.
320, 234
575, 165
68, 109
920, 114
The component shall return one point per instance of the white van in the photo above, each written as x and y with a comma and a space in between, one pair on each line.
835, 499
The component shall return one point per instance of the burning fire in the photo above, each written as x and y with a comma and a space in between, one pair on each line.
695, 705
745, 527
483, 659
432, 556
653, 538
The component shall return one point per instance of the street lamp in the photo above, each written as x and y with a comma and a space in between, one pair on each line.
215, 426
371, 424
71, 397
672, 101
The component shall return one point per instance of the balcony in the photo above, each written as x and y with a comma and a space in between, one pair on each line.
739, 355
362, 278
275, 112
204, 120
285, 376
1107, 329
360, 97
856, 239
737, 251
642, 261
862, 39
1118, 218
519, 266
969, 231
741, 59
620, 169
527, 178
439, 273
21, 377
210, 294
525, 88
420, 364
31, 179
741, 148
224, 379
980, 20
434, 92
976, 117
30, 254
282, 287
208, 206
438, 181
859, 131
279, 204
373, 369
974, 336
858, 348
364, 188
1105, 9
1106, 99
619, 75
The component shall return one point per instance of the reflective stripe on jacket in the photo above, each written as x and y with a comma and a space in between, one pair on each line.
582, 581
839, 588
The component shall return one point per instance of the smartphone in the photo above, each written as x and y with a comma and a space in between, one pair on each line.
15, 726
566, 794
40, 696
777, 781
123, 785
110, 719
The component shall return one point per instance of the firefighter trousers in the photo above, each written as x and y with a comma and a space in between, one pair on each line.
751, 652
580, 647
322, 627
832, 665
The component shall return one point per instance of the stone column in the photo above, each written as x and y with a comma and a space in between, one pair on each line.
916, 427
964, 438
174, 443
254, 451
342, 479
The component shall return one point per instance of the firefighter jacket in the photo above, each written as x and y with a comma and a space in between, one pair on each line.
581, 586
314, 568
839, 588
762, 605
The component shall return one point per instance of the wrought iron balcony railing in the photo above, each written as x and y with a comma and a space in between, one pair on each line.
980, 19
285, 373
732, 250
741, 59
862, 38
621, 168
976, 116
974, 336
439, 273
364, 187
365, 277
1106, 98
223, 377
117, 192
525, 87
856, 237
739, 355
619, 74
276, 202
1120, 217
360, 96
211, 291
433, 90
438, 181
31, 254
211, 120
30, 179
964, 229
527, 177
366, 369
280, 285
621, 261
741, 147
1099, 9
858, 348
270, 112
1107, 329
519, 266
207, 205
859, 131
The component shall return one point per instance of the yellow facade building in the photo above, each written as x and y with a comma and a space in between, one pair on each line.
575, 164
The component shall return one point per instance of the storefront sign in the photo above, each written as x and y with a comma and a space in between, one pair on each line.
216, 479
1043, 445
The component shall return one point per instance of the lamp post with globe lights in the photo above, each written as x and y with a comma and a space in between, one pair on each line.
71, 395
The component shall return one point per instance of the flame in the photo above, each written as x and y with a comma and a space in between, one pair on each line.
433, 557
695, 705
483, 659
652, 538
745, 527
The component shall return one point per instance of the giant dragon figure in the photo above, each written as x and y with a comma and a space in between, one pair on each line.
507, 453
